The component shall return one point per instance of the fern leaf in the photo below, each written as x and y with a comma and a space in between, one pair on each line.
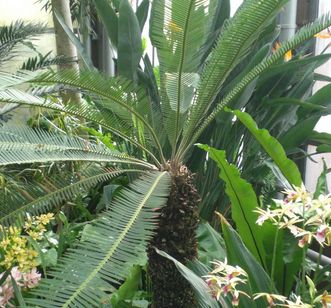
23, 145
17, 199
88, 274
86, 111
302, 35
118, 91
234, 42
179, 32
15, 34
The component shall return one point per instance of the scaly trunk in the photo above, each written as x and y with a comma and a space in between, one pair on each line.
64, 46
176, 235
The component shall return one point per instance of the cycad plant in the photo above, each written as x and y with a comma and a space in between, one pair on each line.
158, 127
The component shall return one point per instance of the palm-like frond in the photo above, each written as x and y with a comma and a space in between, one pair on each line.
23, 145
86, 111
302, 35
18, 198
179, 31
115, 241
42, 61
17, 33
119, 92
233, 44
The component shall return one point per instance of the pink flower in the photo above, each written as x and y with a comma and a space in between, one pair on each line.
17, 275
31, 279
6, 294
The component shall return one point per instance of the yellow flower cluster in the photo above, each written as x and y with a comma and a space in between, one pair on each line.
15, 248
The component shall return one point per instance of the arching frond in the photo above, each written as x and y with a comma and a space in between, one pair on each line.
85, 111
118, 91
302, 35
233, 44
179, 31
23, 145
17, 198
88, 274
17, 33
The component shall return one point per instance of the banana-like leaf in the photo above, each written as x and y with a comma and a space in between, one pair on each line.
107, 253
109, 19
238, 254
211, 245
243, 203
272, 147
129, 42
142, 13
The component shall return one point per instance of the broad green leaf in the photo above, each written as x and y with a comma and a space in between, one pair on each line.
243, 203
109, 19
128, 289
129, 41
299, 133
317, 137
200, 287
321, 185
142, 13
322, 97
273, 148
323, 148
238, 254
211, 244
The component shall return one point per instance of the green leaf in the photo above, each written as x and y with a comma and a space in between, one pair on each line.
128, 289
272, 147
200, 287
129, 41
234, 41
89, 273
179, 34
243, 203
322, 97
142, 13
317, 137
323, 148
211, 245
321, 185
109, 19
298, 134
238, 254
18, 294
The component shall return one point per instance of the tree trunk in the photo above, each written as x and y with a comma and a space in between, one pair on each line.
64, 47
176, 235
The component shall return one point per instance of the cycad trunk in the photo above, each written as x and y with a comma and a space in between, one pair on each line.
176, 236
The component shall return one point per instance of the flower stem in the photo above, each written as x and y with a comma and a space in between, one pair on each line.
320, 252
273, 265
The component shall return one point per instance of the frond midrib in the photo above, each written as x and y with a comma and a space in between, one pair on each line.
180, 72
101, 122
119, 102
63, 189
118, 241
